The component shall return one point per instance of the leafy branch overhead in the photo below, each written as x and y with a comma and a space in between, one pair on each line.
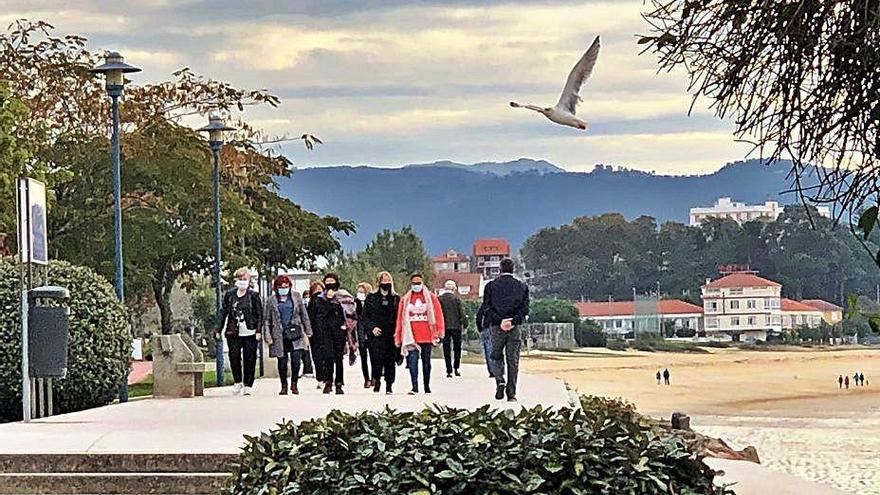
800, 80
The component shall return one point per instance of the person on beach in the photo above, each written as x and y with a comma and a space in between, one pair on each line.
862, 378
380, 320
456, 324
658, 377
242, 317
333, 314
486, 339
855, 380
840, 381
363, 289
507, 305
286, 326
846, 381
666, 376
420, 327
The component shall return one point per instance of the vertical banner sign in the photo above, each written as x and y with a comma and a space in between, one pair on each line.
38, 242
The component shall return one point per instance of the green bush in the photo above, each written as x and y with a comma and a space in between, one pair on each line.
606, 448
100, 340
589, 334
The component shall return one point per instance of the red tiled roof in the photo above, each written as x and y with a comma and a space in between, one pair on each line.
627, 308
741, 280
789, 305
822, 305
461, 279
445, 258
490, 247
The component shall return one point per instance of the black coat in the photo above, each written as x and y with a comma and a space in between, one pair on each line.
250, 307
453, 314
381, 311
505, 297
328, 332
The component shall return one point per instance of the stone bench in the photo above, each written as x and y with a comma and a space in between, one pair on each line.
178, 366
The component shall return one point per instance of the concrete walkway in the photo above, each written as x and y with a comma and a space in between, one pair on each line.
214, 424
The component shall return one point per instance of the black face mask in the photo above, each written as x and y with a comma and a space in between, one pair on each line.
385, 287
331, 286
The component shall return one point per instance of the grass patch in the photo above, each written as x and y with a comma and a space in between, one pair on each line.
145, 388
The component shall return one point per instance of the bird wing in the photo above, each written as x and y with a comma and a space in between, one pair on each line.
570, 94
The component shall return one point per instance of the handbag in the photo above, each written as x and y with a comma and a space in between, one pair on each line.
293, 333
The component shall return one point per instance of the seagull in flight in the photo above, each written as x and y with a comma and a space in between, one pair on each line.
564, 111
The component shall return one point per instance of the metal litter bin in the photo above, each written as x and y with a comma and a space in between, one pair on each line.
48, 331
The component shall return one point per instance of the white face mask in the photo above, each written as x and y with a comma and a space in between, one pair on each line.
362, 296
417, 287
242, 284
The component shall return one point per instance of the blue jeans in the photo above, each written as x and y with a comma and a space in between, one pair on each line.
412, 362
486, 337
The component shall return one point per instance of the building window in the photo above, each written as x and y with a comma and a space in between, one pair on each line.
713, 305
751, 304
711, 322
774, 303
618, 324
751, 321
734, 322
736, 291
734, 304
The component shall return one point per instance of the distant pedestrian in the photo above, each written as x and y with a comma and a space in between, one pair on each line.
420, 327
242, 317
380, 315
658, 377
846, 381
363, 289
506, 301
862, 378
856, 380
840, 381
285, 326
666, 376
486, 338
456, 324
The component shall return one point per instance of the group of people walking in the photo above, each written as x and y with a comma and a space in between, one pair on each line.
327, 325
858, 380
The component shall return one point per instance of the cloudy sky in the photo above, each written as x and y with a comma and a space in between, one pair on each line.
390, 82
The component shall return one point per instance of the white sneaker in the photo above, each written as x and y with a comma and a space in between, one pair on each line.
236, 389
247, 391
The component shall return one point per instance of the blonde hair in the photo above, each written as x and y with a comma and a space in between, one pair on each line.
366, 286
241, 272
379, 278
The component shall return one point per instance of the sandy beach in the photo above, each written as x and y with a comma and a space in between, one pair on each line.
785, 403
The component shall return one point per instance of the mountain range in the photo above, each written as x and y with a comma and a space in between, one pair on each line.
451, 204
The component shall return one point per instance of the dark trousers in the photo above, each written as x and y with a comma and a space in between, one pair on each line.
330, 369
243, 358
364, 354
384, 364
412, 362
308, 369
505, 349
292, 356
452, 342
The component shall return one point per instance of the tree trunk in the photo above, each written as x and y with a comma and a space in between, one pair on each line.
163, 283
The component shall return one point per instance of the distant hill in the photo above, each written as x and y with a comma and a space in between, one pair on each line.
521, 166
452, 204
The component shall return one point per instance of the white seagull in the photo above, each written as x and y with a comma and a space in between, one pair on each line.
564, 111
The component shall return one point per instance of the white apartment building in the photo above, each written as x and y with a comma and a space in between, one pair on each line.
741, 212
742, 306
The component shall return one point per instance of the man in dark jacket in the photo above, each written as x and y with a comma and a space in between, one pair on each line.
456, 323
506, 305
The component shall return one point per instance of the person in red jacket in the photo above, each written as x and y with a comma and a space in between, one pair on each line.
419, 328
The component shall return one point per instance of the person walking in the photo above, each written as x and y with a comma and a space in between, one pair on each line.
380, 320
840, 381
846, 381
658, 377
862, 378
486, 339
420, 327
855, 380
242, 317
456, 323
363, 289
507, 304
666, 376
286, 327
330, 313
308, 368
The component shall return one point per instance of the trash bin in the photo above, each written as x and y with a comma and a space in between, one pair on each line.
48, 331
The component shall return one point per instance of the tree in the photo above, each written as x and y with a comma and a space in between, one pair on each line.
400, 252
799, 79
13, 159
552, 311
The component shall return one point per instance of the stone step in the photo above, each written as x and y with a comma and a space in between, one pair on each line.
112, 483
116, 463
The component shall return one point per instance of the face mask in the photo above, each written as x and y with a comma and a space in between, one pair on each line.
416, 287
305, 300
385, 287
362, 296
331, 287
283, 291
242, 284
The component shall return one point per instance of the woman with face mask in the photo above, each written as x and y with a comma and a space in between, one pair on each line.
242, 317
363, 289
286, 327
332, 313
419, 328
380, 320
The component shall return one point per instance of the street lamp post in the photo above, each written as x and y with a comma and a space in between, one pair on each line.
215, 129
114, 69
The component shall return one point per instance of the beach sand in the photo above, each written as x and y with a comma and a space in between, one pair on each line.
785, 403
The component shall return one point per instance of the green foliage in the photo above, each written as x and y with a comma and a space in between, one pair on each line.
552, 311
470, 307
100, 340
12, 162
606, 448
400, 252
589, 334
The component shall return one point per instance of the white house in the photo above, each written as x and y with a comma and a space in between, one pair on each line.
742, 306
618, 317
741, 212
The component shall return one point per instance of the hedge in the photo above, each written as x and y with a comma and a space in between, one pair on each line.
100, 340
604, 447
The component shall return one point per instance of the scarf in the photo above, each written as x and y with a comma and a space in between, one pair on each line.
407, 339
349, 309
